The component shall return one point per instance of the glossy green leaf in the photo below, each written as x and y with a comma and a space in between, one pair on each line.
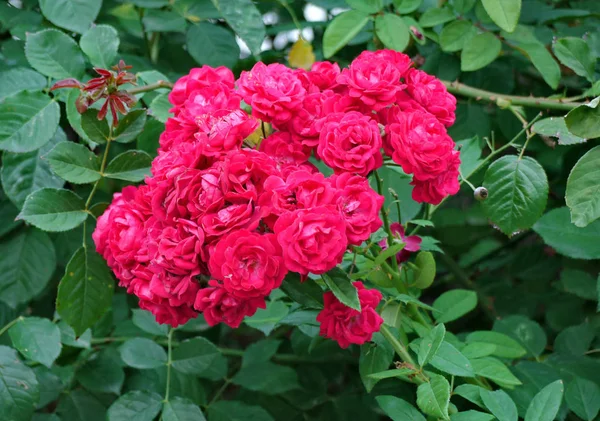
28, 120
407, 6
456, 34
518, 192
307, 293
527, 332
151, 4
471, 393
392, 31
500, 404
374, 358
584, 120
426, 270
79, 405
583, 398
495, 370
546, 403
147, 322
245, 19
101, 44
471, 416
55, 54
74, 15
454, 304
226, 410
265, 320
130, 126
102, 374
506, 347
20, 79
481, 50
212, 45
338, 282
69, 338
341, 30
37, 339
164, 21
49, 384
558, 232
504, 13
19, 391
28, 261
195, 356
135, 406
435, 16
583, 186
556, 127
96, 130
142, 353
450, 360
129, 166
478, 350
54, 210
74, 163
575, 54
180, 409
280, 379
433, 397
398, 409
85, 291
367, 6
430, 344
574, 340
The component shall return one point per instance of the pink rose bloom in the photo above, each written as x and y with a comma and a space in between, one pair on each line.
284, 150
313, 240
412, 243
224, 131
244, 173
350, 142
198, 78
166, 313
323, 74
218, 306
303, 125
348, 326
230, 218
435, 190
274, 92
359, 205
249, 264
401, 61
432, 95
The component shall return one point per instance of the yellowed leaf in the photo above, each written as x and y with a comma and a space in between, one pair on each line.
301, 55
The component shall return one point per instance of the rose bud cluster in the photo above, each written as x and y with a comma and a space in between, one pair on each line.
223, 219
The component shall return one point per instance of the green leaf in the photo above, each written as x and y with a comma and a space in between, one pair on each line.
454, 304
164, 21
579, 283
506, 347
433, 397
237, 411
407, 6
392, 31
575, 54
28, 261
471, 416
584, 120
500, 404
130, 126
583, 189
265, 320
342, 29
306, 293
159, 108
135, 406
546, 403
398, 409
367, 6
78, 405
147, 141
430, 344
495, 370
374, 358
518, 192
85, 291
131, 166
558, 232
54, 210
450, 360
556, 127
338, 282
74, 15
28, 120
574, 340
102, 374
74, 163
101, 44
37, 339
529, 333
544, 63
55, 54
504, 13
142, 353
434, 16
426, 274
49, 384
212, 45
20, 79
95, 130
146, 321
181, 409
481, 50
389, 374
471, 393
68, 337
246, 20
150, 4
260, 352
280, 379
583, 398
195, 356
455, 35
25, 173
19, 392
478, 350
8, 215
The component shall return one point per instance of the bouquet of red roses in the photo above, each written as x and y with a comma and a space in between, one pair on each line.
225, 217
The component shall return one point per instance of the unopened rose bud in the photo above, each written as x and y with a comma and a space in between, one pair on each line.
480, 194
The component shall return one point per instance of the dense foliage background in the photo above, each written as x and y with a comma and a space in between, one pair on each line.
515, 294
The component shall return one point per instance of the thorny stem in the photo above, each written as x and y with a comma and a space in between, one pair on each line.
402, 353
386, 221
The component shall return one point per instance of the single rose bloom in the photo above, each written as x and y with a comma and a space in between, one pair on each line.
223, 131
313, 240
198, 78
218, 306
229, 219
432, 95
350, 142
323, 74
348, 326
248, 264
434, 190
284, 149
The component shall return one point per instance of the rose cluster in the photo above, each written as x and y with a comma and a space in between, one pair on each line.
224, 217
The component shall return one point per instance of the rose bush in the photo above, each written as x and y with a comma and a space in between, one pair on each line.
330, 210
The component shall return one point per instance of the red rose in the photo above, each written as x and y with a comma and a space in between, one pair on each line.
323, 74
350, 142
230, 218
220, 307
346, 325
249, 264
313, 240
282, 148
224, 131
359, 205
303, 125
199, 78
432, 95
244, 173
436, 189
